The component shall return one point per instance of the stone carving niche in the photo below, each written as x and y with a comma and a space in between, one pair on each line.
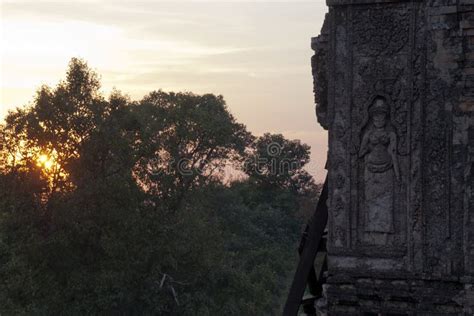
392, 89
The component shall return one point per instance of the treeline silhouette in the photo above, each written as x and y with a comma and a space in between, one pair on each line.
161, 206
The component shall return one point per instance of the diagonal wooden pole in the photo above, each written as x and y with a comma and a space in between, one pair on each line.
316, 228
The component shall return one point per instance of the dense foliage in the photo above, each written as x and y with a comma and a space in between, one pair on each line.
114, 206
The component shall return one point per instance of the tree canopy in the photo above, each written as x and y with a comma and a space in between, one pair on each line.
109, 205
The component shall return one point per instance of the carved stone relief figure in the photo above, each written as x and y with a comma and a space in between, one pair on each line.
378, 149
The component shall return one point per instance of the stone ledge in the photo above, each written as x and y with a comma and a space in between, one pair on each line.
407, 296
468, 71
354, 2
444, 10
467, 8
467, 24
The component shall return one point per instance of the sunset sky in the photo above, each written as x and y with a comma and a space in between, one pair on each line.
255, 53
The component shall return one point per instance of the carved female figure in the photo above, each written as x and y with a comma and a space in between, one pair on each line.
378, 148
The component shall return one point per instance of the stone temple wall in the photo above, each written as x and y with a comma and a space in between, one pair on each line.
394, 86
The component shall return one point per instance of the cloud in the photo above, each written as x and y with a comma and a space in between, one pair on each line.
255, 53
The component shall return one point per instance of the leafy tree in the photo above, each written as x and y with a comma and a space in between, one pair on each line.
189, 139
57, 123
118, 207
277, 162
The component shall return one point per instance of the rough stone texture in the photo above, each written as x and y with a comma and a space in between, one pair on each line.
394, 86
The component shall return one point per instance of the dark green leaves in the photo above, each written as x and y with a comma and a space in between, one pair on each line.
134, 217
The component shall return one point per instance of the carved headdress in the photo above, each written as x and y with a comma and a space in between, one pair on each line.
371, 107
379, 105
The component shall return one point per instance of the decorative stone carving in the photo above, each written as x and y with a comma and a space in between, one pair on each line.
393, 86
380, 32
379, 150
320, 75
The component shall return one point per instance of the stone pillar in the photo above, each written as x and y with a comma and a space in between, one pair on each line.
394, 87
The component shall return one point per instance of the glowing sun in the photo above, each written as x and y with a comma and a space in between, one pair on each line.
46, 162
